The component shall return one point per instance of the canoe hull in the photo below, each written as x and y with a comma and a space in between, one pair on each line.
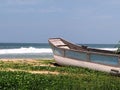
66, 53
73, 62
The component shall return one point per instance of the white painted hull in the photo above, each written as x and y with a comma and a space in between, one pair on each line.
73, 62
66, 53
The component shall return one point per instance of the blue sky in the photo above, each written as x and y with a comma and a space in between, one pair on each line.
79, 21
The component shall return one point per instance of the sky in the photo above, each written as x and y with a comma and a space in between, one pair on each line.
78, 21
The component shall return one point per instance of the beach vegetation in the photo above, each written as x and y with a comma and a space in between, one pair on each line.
44, 75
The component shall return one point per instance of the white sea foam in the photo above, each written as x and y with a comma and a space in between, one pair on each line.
32, 50
109, 49
25, 50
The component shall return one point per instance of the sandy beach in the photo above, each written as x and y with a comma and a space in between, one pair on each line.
28, 62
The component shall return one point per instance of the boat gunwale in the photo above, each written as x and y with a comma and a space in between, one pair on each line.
86, 50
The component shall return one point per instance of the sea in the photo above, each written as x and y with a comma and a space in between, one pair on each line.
37, 50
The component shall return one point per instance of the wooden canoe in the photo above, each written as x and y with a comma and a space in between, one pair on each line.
66, 53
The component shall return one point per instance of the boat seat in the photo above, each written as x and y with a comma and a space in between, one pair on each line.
56, 43
63, 46
60, 44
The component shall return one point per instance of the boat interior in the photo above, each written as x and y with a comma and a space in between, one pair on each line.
61, 43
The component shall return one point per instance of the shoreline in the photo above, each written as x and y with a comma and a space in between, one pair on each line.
20, 59
30, 61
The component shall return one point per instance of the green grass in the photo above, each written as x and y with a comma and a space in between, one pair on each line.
69, 78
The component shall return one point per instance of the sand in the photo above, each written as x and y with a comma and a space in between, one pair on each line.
33, 62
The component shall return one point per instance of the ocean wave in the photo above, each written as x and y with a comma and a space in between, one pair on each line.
32, 50
109, 49
23, 50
